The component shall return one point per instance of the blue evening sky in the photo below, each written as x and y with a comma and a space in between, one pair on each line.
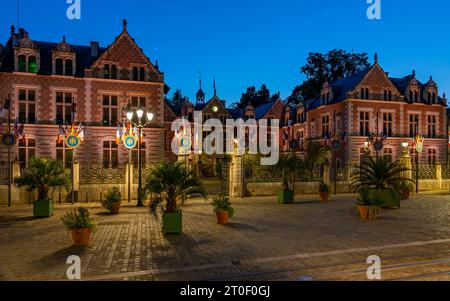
250, 42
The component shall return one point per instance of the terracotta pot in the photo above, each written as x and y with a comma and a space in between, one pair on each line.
222, 217
81, 237
363, 211
115, 207
405, 195
324, 196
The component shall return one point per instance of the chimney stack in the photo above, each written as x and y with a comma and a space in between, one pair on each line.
94, 49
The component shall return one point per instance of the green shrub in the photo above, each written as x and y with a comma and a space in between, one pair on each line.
113, 195
323, 188
78, 219
223, 203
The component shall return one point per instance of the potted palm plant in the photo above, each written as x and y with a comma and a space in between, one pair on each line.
379, 179
287, 165
223, 209
79, 223
368, 209
172, 181
43, 175
112, 200
324, 192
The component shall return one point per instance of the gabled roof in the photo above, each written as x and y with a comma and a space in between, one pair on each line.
262, 110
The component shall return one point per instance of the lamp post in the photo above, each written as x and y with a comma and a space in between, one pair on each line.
139, 124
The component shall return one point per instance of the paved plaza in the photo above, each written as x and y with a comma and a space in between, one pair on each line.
307, 240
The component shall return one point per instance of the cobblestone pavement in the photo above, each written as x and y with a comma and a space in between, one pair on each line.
307, 240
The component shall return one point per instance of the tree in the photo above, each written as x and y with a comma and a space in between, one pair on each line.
176, 100
256, 97
171, 180
43, 174
320, 68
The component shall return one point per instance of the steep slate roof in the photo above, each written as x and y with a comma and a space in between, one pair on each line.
262, 110
83, 57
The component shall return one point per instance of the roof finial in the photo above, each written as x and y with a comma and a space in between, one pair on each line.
124, 24
431, 77
64, 38
375, 57
443, 96
414, 73
200, 79
215, 90
157, 65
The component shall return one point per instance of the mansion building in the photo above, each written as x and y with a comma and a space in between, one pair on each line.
47, 82
370, 103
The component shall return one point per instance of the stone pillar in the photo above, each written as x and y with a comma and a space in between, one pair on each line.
76, 176
326, 174
405, 160
128, 193
439, 176
237, 176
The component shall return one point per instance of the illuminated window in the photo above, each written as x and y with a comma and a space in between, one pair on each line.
110, 110
22, 63
27, 106
32, 64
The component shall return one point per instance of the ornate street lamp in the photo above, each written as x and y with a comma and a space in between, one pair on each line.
139, 124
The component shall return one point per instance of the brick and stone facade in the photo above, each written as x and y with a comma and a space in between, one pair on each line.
43, 79
370, 102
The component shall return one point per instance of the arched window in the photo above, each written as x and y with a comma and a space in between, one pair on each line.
429, 97
113, 72
22, 63
142, 74
135, 73
389, 95
106, 71
32, 65
434, 98
59, 67
69, 67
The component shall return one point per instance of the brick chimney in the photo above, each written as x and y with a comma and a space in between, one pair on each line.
94, 49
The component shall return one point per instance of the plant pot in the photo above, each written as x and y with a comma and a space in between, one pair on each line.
405, 195
389, 198
81, 237
172, 223
222, 217
363, 211
324, 196
115, 207
43, 208
285, 196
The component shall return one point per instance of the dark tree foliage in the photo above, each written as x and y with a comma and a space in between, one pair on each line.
330, 66
256, 97
176, 100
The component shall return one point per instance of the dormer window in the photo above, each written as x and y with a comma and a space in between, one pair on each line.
69, 67
59, 67
135, 73
142, 74
106, 72
364, 93
113, 72
387, 95
32, 64
27, 64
